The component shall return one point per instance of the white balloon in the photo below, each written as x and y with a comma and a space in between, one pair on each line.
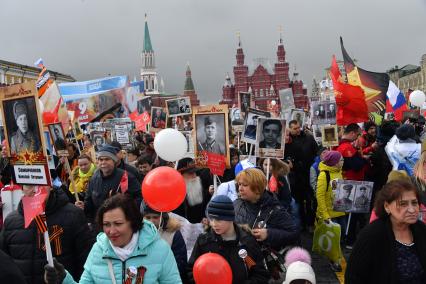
273, 102
170, 144
417, 98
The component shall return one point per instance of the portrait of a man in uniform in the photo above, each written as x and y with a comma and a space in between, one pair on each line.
24, 128
211, 133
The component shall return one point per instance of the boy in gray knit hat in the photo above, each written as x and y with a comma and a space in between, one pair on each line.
236, 245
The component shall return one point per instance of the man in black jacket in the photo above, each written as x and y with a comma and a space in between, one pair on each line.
106, 181
71, 237
121, 164
301, 151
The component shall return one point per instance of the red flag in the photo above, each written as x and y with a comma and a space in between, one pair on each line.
34, 205
124, 182
350, 100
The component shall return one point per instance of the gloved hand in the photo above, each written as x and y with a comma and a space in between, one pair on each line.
54, 275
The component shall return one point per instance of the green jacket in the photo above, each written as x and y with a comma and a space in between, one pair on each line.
152, 252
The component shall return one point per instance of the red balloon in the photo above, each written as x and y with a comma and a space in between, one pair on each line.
163, 189
212, 268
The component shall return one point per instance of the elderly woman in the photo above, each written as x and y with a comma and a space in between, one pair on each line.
271, 224
392, 249
127, 249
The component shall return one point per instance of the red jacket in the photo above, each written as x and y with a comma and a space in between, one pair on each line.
354, 164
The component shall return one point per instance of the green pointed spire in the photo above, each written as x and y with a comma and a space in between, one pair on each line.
189, 85
147, 46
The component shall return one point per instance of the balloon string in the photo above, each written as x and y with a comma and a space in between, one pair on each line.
160, 227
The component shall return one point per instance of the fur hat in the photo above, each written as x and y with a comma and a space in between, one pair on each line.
298, 263
19, 108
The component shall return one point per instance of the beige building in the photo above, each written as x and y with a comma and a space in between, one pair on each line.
15, 73
410, 76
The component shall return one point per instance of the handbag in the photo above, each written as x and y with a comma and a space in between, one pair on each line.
326, 240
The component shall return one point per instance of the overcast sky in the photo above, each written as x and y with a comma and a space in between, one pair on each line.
90, 39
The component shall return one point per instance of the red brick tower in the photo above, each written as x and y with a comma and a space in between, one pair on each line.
240, 72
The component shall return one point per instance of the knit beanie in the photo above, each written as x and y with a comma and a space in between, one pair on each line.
331, 158
221, 208
405, 132
108, 151
19, 109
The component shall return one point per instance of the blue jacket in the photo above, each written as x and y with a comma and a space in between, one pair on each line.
152, 252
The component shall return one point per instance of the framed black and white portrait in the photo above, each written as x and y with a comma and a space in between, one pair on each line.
58, 137
24, 133
286, 100
329, 136
270, 138
144, 105
298, 115
244, 101
211, 131
250, 124
158, 118
178, 106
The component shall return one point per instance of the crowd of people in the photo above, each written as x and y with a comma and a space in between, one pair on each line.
101, 232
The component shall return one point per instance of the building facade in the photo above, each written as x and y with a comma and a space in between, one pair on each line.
410, 77
15, 73
263, 81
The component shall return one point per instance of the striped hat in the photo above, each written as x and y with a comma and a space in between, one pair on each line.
221, 208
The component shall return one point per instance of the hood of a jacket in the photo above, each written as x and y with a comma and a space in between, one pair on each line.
147, 235
57, 199
324, 167
268, 200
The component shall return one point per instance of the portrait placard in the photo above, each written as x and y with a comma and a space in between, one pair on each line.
24, 133
211, 133
98, 139
178, 106
158, 118
58, 137
181, 123
270, 138
244, 102
298, 115
237, 121
144, 105
250, 124
323, 112
329, 136
353, 196
286, 100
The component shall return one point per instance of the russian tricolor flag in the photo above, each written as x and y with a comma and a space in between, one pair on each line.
395, 101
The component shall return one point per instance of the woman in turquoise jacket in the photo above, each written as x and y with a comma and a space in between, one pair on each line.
127, 248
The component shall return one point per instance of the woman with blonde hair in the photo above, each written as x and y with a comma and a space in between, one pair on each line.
271, 224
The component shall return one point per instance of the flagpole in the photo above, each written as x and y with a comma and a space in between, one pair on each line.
268, 163
48, 248
215, 183
68, 169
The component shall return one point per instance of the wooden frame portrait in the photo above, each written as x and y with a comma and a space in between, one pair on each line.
211, 131
24, 132
329, 135
178, 107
